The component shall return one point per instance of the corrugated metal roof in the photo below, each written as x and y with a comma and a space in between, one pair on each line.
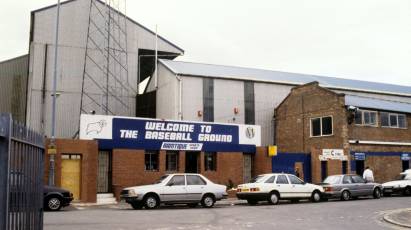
232, 72
374, 103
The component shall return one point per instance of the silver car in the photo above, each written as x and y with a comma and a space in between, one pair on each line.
348, 186
180, 188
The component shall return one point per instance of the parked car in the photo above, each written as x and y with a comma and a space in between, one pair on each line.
55, 198
402, 186
180, 188
278, 186
348, 186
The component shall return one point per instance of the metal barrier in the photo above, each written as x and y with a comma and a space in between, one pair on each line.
21, 176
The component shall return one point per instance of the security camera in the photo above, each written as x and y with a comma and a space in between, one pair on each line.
352, 108
92, 112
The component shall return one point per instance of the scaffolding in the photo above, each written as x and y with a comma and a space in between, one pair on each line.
105, 84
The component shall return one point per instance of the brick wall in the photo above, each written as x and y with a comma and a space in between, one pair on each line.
385, 168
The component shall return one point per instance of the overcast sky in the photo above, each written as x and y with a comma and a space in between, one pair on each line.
358, 39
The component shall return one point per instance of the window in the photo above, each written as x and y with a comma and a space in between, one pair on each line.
208, 99
270, 180
393, 120
365, 117
357, 179
151, 160
321, 126
282, 179
177, 180
171, 161
295, 180
195, 180
347, 180
210, 161
249, 104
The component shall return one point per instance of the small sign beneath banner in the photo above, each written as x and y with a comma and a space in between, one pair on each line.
405, 157
333, 154
359, 156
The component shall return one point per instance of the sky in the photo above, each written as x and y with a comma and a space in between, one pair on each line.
357, 39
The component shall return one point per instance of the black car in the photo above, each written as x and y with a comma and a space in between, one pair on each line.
55, 198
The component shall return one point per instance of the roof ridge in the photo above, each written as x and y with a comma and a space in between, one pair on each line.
379, 99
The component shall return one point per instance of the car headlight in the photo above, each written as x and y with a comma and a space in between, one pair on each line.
131, 192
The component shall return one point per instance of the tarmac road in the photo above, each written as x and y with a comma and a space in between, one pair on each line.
357, 214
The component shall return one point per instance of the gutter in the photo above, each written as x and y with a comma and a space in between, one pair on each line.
379, 142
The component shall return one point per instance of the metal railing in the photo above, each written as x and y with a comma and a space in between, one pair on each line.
21, 176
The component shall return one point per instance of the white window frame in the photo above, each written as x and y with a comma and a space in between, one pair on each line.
321, 126
363, 120
398, 125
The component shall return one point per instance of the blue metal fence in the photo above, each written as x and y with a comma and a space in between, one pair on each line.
285, 162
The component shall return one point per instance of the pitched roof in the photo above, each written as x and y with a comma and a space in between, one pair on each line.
380, 104
241, 73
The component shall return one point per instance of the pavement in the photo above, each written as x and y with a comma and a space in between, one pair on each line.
400, 217
364, 214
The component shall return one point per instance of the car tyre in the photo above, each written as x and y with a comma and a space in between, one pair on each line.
252, 202
377, 193
151, 202
208, 201
345, 195
273, 198
136, 205
407, 191
316, 197
53, 203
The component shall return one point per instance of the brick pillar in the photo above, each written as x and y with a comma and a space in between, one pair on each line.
200, 161
162, 161
182, 161
315, 165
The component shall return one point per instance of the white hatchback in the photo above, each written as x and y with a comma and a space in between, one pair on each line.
278, 186
180, 188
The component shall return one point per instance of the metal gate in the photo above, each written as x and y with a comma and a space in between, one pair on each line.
104, 172
247, 168
21, 176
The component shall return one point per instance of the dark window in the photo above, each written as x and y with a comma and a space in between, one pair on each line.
282, 179
402, 121
327, 126
321, 126
210, 161
208, 99
177, 180
171, 161
393, 120
358, 117
357, 179
249, 103
151, 160
347, 180
270, 180
195, 180
384, 119
316, 127
295, 180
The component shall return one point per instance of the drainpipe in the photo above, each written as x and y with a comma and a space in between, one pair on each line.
180, 97
274, 132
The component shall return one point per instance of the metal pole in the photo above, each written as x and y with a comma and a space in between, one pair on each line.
155, 59
53, 113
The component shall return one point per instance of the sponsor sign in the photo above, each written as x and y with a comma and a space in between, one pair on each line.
140, 133
272, 150
333, 154
405, 157
359, 156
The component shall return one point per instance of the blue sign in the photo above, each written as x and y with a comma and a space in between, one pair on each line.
405, 157
150, 134
359, 156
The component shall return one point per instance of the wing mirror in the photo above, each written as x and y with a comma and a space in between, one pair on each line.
170, 184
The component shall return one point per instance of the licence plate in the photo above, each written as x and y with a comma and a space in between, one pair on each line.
245, 190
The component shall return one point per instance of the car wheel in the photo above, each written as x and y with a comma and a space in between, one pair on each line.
252, 202
207, 201
345, 195
273, 198
53, 203
151, 202
407, 191
192, 205
377, 193
136, 205
316, 196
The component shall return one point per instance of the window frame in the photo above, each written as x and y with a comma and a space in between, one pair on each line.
321, 126
397, 118
214, 154
286, 178
152, 152
362, 111
177, 154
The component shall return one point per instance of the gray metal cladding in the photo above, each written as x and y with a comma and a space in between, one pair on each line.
13, 86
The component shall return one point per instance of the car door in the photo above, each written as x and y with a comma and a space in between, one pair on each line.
298, 187
196, 187
283, 186
364, 189
175, 189
347, 182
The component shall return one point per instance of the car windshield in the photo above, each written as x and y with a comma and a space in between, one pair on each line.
405, 177
332, 180
257, 179
161, 179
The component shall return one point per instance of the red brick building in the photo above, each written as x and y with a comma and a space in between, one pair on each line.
322, 132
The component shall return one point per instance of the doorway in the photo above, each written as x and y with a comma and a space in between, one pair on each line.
324, 170
192, 162
104, 172
247, 167
405, 165
71, 173
359, 167
344, 166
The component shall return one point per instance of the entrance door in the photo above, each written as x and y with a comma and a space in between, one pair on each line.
359, 167
71, 173
247, 167
192, 162
104, 172
344, 166
405, 165
324, 171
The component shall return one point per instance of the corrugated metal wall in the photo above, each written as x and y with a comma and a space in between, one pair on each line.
13, 87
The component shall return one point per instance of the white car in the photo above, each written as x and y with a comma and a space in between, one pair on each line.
180, 188
402, 186
278, 186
